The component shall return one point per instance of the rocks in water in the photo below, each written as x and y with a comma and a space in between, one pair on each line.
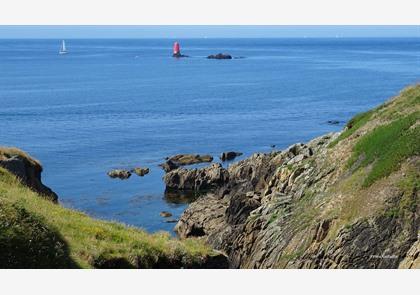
169, 166
29, 173
171, 220
176, 161
140, 171
272, 146
188, 159
227, 156
165, 214
119, 173
219, 56
211, 177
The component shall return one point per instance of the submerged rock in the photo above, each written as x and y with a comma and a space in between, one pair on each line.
119, 173
140, 171
211, 177
227, 156
165, 214
219, 56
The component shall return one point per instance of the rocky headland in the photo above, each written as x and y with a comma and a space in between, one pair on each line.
343, 200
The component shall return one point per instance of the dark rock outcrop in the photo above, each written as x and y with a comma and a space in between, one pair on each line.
119, 173
219, 56
227, 156
203, 179
29, 173
169, 166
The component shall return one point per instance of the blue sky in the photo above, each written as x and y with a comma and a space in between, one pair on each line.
179, 31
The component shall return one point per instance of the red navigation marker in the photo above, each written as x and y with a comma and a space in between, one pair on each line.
177, 50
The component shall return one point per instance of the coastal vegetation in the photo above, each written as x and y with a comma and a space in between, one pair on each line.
37, 233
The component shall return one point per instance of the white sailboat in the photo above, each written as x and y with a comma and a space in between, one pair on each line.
63, 49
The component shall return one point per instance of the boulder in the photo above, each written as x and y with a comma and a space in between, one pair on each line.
211, 177
227, 156
140, 171
119, 173
219, 56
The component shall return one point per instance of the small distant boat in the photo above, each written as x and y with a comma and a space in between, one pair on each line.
63, 49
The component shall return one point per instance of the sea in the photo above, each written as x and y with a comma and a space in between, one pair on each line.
125, 103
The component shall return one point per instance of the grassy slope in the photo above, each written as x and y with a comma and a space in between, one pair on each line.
384, 137
37, 233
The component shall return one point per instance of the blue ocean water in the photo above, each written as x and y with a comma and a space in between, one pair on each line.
125, 103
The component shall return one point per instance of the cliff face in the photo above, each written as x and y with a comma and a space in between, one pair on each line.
343, 200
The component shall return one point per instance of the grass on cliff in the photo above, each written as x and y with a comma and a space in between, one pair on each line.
35, 233
386, 147
406, 102
352, 126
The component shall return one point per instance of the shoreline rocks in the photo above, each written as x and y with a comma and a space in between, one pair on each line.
207, 178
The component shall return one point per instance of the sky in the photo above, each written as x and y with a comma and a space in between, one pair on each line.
202, 31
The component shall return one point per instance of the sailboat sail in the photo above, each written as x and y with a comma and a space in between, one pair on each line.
63, 49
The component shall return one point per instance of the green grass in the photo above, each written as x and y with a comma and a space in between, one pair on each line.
35, 232
406, 102
353, 125
386, 147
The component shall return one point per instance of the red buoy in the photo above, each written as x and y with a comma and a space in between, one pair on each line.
177, 50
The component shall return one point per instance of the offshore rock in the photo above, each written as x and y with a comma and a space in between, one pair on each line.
219, 56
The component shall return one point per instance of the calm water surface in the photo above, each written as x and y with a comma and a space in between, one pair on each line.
125, 103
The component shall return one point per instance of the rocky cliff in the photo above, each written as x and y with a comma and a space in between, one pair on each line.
27, 169
343, 200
